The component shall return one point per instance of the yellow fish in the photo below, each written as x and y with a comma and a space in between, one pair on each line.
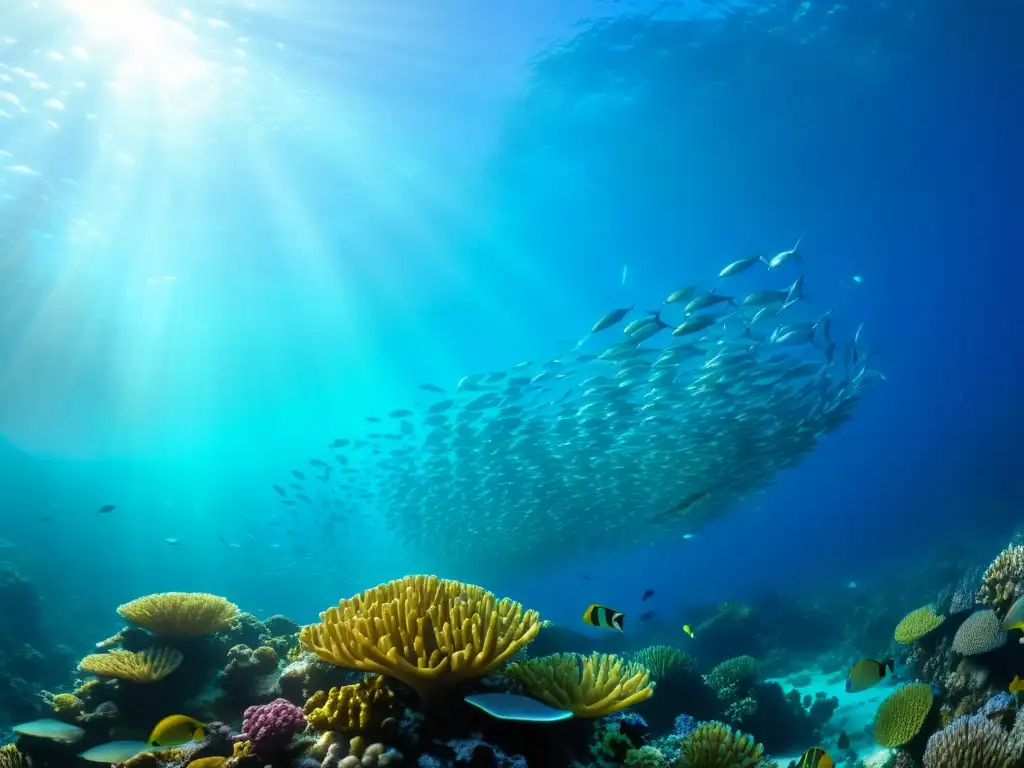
175, 730
866, 674
815, 757
599, 616
687, 630
1016, 685
209, 762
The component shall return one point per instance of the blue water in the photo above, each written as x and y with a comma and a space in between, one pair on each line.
410, 194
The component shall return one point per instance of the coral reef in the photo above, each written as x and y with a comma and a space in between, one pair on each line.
180, 614
716, 745
148, 666
975, 741
916, 624
901, 716
1002, 581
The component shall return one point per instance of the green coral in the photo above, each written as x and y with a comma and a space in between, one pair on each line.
733, 677
716, 745
901, 715
917, 624
663, 660
645, 757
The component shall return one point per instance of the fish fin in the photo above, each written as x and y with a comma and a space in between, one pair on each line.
891, 664
198, 734
617, 621
798, 241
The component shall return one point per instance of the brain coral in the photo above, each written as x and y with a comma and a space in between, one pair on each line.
901, 715
1000, 580
980, 632
716, 745
973, 741
917, 624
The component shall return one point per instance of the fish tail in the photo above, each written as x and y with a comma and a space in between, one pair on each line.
798, 241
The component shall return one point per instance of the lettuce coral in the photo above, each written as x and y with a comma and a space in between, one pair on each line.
587, 686
428, 632
901, 715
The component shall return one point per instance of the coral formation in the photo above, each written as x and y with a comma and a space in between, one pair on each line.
352, 709
732, 675
662, 660
269, 727
587, 686
180, 614
917, 624
430, 633
1002, 579
148, 666
979, 633
974, 741
902, 713
10, 757
716, 745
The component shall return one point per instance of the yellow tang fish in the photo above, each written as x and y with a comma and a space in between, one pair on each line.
599, 616
815, 757
866, 674
688, 630
1016, 685
175, 730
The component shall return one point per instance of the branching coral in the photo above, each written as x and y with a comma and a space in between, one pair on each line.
901, 715
662, 660
917, 624
180, 614
587, 686
980, 633
974, 741
430, 633
716, 745
352, 709
1000, 581
10, 757
147, 666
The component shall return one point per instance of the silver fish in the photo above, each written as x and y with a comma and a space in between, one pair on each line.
782, 257
741, 265
706, 300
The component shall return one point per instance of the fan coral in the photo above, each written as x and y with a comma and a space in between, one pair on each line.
10, 757
973, 741
917, 624
269, 727
716, 745
587, 686
901, 715
662, 660
732, 674
430, 633
180, 614
1000, 580
980, 633
351, 709
147, 666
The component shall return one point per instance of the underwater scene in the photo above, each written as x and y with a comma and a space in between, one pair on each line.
562, 384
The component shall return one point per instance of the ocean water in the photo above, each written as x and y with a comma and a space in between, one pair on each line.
230, 231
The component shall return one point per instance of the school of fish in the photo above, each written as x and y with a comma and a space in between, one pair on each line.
648, 428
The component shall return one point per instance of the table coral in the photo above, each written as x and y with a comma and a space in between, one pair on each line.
180, 614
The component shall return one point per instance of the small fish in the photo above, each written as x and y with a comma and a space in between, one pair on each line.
114, 752
431, 388
298, 475
175, 730
843, 742
694, 324
763, 298
681, 294
280, 491
54, 730
688, 630
648, 593
599, 616
815, 757
647, 615
867, 673
341, 442
318, 463
610, 319
706, 300
106, 509
1016, 685
173, 541
782, 257
741, 266
373, 419
858, 279
625, 273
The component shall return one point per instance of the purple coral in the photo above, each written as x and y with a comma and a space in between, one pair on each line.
271, 726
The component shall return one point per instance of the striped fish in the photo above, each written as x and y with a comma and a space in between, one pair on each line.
599, 616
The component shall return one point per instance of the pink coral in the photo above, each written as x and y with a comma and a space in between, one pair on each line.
271, 726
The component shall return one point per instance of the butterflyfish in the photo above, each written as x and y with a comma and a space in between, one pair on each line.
866, 674
815, 757
1016, 685
175, 730
599, 616
688, 630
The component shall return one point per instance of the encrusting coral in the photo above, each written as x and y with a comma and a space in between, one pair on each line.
180, 614
917, 624
979, 633
1000, 581
351, 709
716, 745
148, 666
587, 686
901, 715
428, 632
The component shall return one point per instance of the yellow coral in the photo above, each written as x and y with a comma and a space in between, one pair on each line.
266, 657
587, 686
111, 642
661, 660
716, 745
1000, 580
242, 749
180, 614
209, 762
352, 708
86, 689
430, 633
66, 704
10, 757
147, 666
917, 624
901, 715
